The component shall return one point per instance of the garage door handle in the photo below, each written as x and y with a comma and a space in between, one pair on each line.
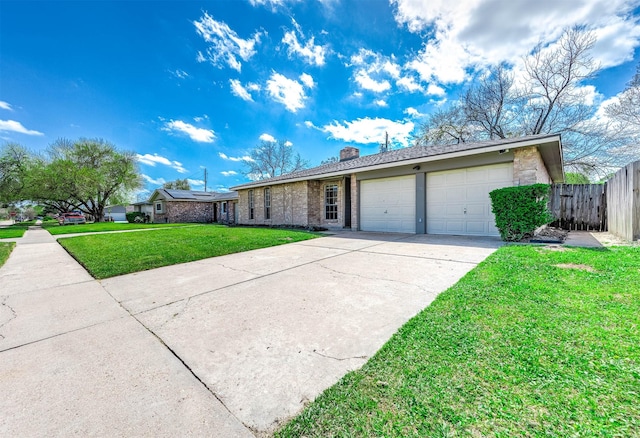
465, 210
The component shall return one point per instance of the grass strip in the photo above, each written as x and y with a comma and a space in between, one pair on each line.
533, 342
56, 229
107, 255
12, 231
5, 250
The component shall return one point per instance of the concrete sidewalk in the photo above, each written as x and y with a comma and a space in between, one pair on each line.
228, 346
73, 362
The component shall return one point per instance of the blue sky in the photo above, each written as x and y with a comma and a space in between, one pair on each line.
189, 85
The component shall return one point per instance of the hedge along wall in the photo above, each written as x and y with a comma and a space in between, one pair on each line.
520, 210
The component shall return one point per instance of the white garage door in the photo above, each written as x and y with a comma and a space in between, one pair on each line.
388, 204
458, 200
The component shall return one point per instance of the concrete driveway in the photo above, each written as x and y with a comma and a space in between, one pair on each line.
228, 346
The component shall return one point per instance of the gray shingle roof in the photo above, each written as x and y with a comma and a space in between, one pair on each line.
394, 156
195, 195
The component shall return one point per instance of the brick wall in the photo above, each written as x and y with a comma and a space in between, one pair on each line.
229, 216
354, 202
528, 167
184, 211
289, 205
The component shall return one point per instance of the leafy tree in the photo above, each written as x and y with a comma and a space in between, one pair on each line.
273, 159
576, 178
179, 184
86, 174
15, 165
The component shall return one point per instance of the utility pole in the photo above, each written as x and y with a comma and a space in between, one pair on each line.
205, 179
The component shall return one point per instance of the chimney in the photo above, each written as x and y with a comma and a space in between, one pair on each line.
349, 153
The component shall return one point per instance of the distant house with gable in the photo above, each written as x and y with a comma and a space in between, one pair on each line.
174, 206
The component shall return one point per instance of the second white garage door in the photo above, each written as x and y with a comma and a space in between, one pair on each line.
458, 200
388, 204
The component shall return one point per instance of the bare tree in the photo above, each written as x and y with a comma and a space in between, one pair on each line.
627, 109
492, 103
273, 159
446, 126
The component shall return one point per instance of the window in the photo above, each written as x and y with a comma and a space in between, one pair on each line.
159, 208
224, 208
267, 203
331, 202
250, 204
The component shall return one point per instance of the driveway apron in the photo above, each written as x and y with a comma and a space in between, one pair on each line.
227, 346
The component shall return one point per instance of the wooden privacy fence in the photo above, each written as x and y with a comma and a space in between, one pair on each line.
623, 194
579, 206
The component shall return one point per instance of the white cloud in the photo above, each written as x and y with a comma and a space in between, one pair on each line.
435, 90
225, 44
287, 91
381, 103
152, 160
288, 144
199, 119
307, 80
412, 112
469, 34
367, 131
310, 52
180, 74
409, 84
365, 81
5, 106
229, 173
155, 182
195, 182
309, 124
237, 89
235, 159
199, 135
267, 137
13, 126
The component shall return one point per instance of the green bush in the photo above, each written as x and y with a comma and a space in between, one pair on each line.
520, 210
131, 217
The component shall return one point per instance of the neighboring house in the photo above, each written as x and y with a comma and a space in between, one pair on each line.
144, 207
432, 189
116, 213
193, 206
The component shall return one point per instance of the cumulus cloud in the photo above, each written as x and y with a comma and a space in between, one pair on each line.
235, 159
287, 91
225, 44
288, 144
13, 126
199, 135
368, 83
267, 137
228, 173
195, 182
307, 80
241, 91
408, 83
381, 103
152, 160
5, 106
412, 112
465, 35
155, 182
310, 52
367, 131
372, 71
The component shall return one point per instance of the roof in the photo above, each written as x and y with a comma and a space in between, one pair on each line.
549, 145
192, 195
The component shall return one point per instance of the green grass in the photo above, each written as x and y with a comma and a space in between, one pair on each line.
519, 347
5, 250
57, 229
15, 230
107, 255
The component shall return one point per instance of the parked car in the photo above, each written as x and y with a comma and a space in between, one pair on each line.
71, 218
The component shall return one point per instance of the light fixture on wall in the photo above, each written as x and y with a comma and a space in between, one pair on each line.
416, 167
503, 151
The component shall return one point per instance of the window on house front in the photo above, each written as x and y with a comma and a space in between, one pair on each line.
159, 208
251, 204
267, 203
224, 208
331, 202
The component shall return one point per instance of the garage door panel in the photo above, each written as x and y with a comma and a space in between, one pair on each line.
388, 204
465, 207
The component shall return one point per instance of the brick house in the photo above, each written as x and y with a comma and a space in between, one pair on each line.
174, 206
434, 189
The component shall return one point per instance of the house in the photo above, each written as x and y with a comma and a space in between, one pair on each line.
116, 213
193, 206
433, 189
144, 207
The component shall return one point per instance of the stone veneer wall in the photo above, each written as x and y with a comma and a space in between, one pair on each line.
528, 167
355, 202
184, 211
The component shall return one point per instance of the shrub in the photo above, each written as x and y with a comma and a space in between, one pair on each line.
520, 210
132, 216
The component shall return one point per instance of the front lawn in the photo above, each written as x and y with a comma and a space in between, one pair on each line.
107, 255
5, 250
533, 342
15, 230
57, 229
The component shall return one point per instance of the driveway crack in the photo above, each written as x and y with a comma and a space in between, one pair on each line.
364, 357
12, 313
